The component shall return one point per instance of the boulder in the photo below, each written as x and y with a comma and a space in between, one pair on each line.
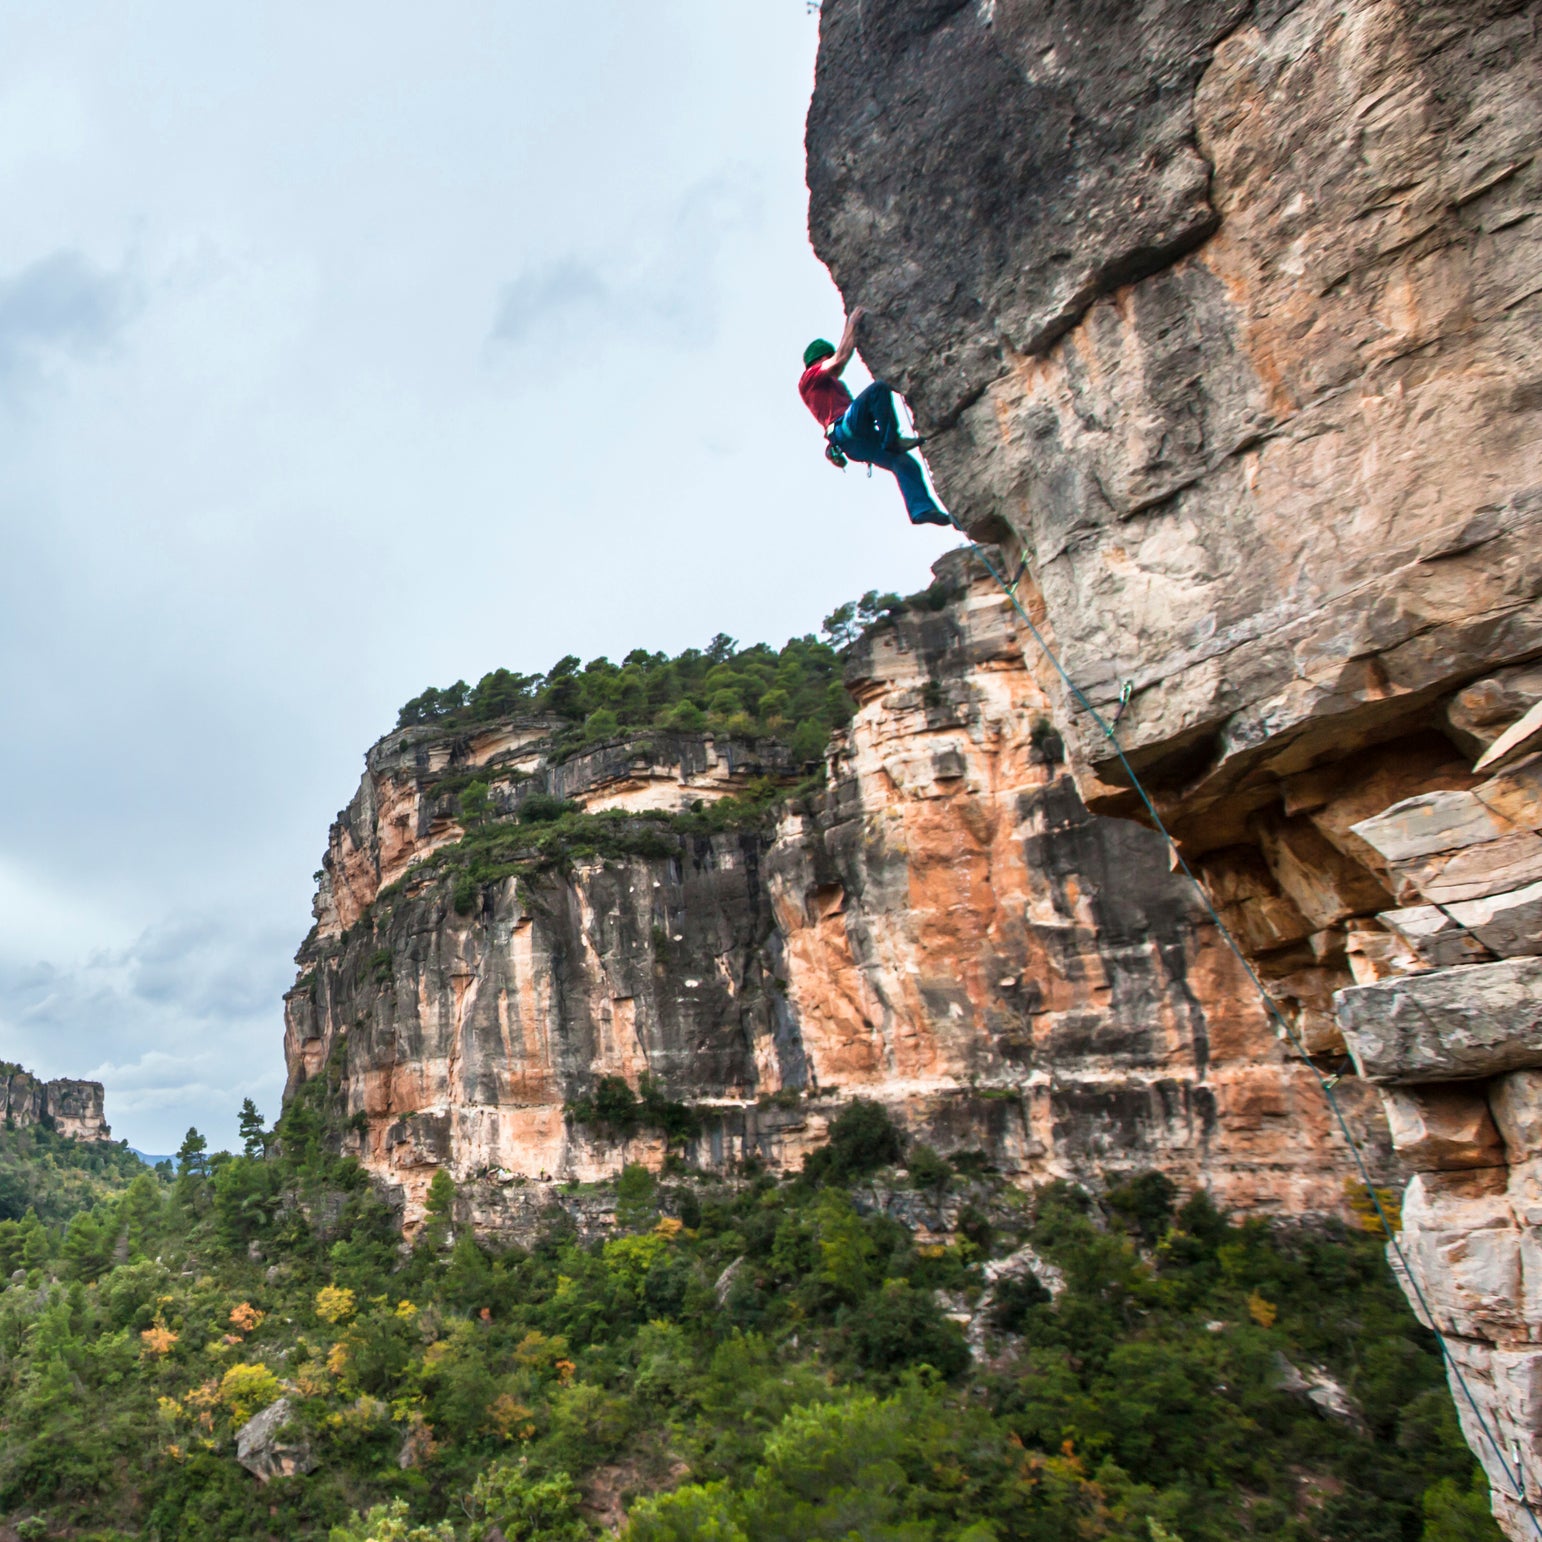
725, 1281
1508, 924
1452, 1024
1439, 941
264, 1450
1515, 794
1431, 823
1516, 1104
1492, 867
1480, 712
1522, 738
1327, 1396
1442, 1128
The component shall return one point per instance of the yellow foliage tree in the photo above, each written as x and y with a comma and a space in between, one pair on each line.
1261, 1311
1360, 1201
508, 1417
335, 1303
246, 1389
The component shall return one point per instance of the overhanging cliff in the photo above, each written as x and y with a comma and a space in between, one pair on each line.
1227, 317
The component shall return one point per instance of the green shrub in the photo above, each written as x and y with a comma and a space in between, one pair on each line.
755, 692
927, 1169
525, 1507
542, 808
863, 1138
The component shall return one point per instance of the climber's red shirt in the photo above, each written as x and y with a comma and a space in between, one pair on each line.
823, 393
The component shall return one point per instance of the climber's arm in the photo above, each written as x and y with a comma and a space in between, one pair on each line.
848, 344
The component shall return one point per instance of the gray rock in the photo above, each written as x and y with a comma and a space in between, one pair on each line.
1022, 1263
1440, 941
1451, 1024
1327, 1396
1516, 1103
725, 1281
1477, 716
263, 1450
1430, 823
1506, 924
979, 174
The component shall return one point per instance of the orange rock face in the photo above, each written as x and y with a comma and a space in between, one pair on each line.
945, 930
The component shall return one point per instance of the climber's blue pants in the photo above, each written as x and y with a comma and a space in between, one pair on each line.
867, 433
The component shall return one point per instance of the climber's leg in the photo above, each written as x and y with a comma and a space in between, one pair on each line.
873, 414
857, 436
919, 504
905, 469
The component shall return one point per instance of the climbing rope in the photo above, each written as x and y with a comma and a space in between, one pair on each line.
1283, 1030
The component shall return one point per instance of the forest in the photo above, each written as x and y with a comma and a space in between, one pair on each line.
793, 694
750, 1356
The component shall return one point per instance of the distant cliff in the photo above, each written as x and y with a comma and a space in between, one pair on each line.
941, 927
67, 1107
1227, 316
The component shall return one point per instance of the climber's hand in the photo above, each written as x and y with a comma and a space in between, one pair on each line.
848, 342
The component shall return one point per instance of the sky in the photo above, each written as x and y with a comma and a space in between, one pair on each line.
346, 350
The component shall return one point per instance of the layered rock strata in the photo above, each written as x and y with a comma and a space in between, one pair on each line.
65, 1106
1227, 316
944, 929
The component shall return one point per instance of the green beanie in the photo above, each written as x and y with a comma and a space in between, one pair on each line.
816, 350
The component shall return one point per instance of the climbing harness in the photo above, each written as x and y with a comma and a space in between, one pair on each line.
1514, 1471
835, 454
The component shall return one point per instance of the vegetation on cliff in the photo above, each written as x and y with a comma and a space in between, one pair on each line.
793, 695
764, 1358
792, 699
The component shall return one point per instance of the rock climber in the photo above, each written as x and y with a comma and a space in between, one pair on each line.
866, 429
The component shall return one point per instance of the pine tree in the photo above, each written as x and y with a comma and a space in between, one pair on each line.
254, 1138
191, 1154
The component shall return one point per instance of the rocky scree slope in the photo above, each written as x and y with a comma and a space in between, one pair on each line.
1227, 316
939, 926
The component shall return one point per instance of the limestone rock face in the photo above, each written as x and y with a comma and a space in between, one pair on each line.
944, 929
1289, 479
1452, 1023
1227, 318
65, 1106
